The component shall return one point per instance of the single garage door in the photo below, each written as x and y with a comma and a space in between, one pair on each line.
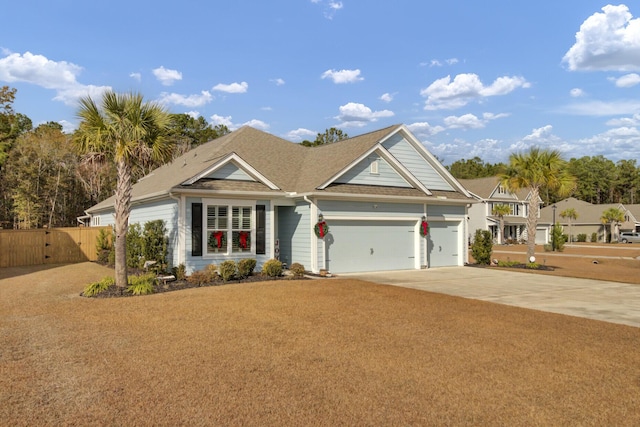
443, 244
355, 246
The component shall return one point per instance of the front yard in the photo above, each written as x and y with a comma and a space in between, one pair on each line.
313, 352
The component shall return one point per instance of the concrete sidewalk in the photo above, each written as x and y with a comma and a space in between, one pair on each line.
594, 299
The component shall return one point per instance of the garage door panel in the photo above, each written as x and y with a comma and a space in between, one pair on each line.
354, 246
443, 244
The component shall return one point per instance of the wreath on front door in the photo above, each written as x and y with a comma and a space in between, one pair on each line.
424, 228
321, 229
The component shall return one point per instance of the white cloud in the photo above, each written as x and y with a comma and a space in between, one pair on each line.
300, 134
576, 92
166, 76
625, 121
342, 76
628, 80
438, 63
136, 76
447, 94
258, 124
607, 41
470, 121
56, 75
486, 149
601, 108
354, 114
422, 129
220, 120
331, 7
67, 127
614, 144
278, 82
188, 101
193, 114
386, 97
232, 88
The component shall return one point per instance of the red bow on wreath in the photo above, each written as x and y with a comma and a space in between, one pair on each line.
424, 228
242, 239
218, 236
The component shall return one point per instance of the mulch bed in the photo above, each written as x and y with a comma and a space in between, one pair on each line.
515, 266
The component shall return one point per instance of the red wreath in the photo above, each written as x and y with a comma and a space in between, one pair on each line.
218, 239
243, 239
321, 229
424, 228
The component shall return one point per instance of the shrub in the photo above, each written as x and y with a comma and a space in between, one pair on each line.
155, 244
508, 263
212, 271
272, 268
134, 246
594, 237
95, 288
482, 246
142, 285
557, 238
297, 269
227, 270
104, 245
180, 272
246, 267
532, 265
199, 278
582, 237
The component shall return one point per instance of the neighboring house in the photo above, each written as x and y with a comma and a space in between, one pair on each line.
588, 221
490, 193
250, 194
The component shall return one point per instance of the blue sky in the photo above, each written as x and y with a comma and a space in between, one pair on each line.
469, 78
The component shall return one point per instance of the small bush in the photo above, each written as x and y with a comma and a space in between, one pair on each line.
272, 268
212, 271
142, 285
481, 247
180, 272
95, 288
135, 257
594, 237
582, 237
199, 278
557, 238
154, 244
246, 267
532, 265
547, 247
104, 245
228, 270
297, 269
508, 263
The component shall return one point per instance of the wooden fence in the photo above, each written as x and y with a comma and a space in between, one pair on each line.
48, 246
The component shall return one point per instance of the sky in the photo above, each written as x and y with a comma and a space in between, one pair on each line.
468, 78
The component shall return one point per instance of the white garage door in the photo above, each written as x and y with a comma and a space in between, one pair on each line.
443, 244
355, 246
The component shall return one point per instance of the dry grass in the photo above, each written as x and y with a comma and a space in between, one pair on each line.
320, 352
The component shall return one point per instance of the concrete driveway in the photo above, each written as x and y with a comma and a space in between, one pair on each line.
594, 299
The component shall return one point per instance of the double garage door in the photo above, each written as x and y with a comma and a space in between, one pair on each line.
357, 246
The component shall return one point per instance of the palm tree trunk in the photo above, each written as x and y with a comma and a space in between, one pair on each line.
123, 207
532, 222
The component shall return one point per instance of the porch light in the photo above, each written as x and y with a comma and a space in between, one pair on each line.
424, 218
320, 218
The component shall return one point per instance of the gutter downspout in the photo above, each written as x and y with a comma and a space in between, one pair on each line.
314, 243
180, 244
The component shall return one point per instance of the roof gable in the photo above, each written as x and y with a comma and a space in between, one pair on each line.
232, 167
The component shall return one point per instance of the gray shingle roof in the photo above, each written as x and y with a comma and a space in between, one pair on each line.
291, 167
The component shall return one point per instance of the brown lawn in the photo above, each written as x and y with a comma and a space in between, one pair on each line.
315, 352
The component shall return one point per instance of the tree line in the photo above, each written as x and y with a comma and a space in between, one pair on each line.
598, 179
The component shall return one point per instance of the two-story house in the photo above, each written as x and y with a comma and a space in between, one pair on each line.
489, 194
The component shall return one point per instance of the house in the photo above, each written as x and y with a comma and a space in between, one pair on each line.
250, 194
588, 221
490, 193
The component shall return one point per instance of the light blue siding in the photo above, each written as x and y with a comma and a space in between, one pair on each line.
415, 163
294, 234
361, 174
448, 210
370, 209
230, 171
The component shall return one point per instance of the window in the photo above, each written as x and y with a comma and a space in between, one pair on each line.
95, 221
501, 190
228, 229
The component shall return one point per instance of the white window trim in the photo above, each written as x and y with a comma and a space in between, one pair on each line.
230, 203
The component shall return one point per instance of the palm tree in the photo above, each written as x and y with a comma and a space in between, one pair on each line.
500, 211
611, 216
571, 215
534, 170
129, 131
